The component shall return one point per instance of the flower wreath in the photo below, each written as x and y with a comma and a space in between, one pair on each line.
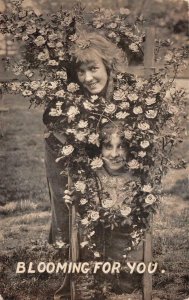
149, 110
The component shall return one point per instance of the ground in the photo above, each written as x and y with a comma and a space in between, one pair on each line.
25, 215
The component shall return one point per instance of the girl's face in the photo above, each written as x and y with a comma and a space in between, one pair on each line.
114, 153
93, 75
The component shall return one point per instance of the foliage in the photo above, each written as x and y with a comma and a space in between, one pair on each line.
149, 110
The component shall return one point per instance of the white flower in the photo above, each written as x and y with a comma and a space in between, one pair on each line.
59, 45
53, 85
55, 112
168, 57
53, 62
119, 95
39, 41
151, 114
85, 221
53, 37
31, 29
128, 134
134, 47
88, 105
40, 94
94, 139
59, 104
27, 93
83, 201
83, 244
80, 186
60, 244
140, 83
124, 105
137, 110
96, 254
15, 86
143, 126
110, 108
104, 120
72, 87
28, 73
80, 135
60, 94
72, 112
17, 70
62, 75
61, 55
142, 154
96, 163
82, 124
94, 98
124, 11
144, 144
125, 210
67, 150
43, 55
107, 203
132, 97
150, 100
34, 85
147, 188
94, 215
150, 199
133, 164
112, 35
156, 89
122, 115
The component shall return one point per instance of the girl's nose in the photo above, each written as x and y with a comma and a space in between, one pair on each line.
88, 76
114, 152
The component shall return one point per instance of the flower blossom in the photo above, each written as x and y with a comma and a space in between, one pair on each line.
147, 188
80, 186
72, 87
72, 112
133, 97
60, 94
40, 93
34, 85
110, 108
144, 144
82, 124
107, 203
124, 105
83, 244
143, 126
125, 210
53, 85
150, 199
43, 55
128, 134
96, 163
39, 41
62, 75
83, 201
80, 135
142, 154
53, 63
96, 254
133, 164
150, 100
85, 221
27, 93
31, 29
54, 112
122, 115
67, 150
94, 215
119, 95
151, 114
94, 139
134, 47
137, 110
88, 105
28, 73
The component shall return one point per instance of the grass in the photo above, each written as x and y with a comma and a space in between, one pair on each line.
25, 216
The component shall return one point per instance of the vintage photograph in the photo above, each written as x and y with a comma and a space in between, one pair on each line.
94, 157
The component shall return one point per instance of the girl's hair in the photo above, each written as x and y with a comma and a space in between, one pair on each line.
92, 43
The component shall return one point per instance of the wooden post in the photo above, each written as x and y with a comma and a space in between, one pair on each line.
149, 67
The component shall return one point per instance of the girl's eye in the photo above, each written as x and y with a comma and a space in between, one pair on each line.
93, 69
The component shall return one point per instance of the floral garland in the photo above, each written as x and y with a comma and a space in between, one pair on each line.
148, 109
